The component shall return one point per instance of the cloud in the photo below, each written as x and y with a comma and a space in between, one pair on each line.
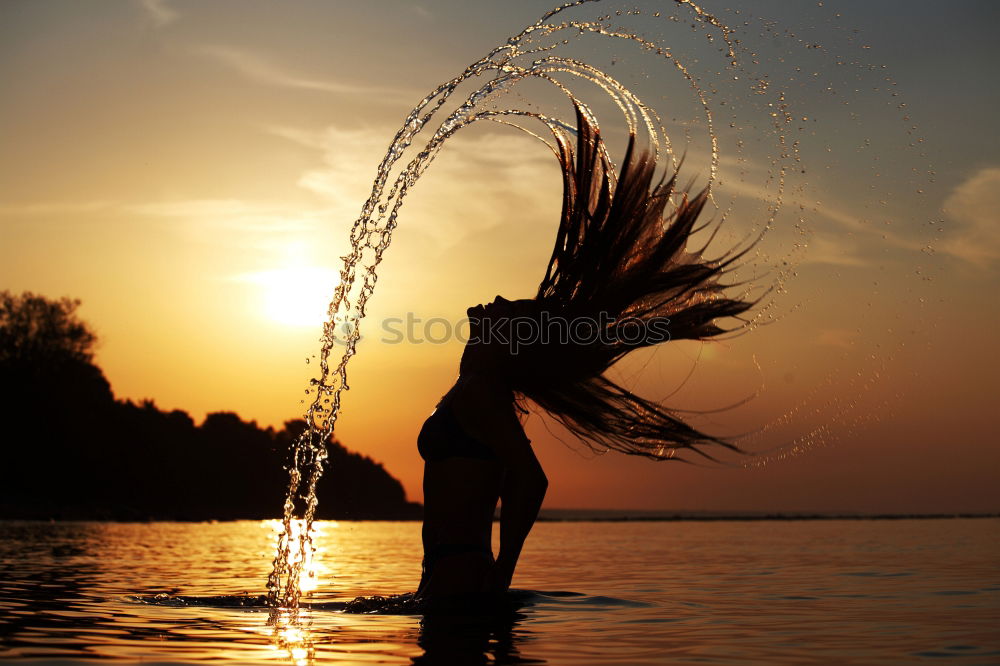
825, 244
850, 240
260, 70
229, 212
44, 208
836, 251
306, 138
476, 183
234, 223
251, 222
194, 208
160, 12
974, 209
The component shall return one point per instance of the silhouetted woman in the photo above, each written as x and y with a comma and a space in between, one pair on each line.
620, 278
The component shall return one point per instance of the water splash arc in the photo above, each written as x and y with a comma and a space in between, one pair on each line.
534, 55
508, 64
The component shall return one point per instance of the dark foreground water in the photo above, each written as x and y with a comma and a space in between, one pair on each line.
866, 592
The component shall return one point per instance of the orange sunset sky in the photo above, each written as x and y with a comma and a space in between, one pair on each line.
190, 170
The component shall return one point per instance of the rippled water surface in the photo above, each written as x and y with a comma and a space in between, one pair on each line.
608, 593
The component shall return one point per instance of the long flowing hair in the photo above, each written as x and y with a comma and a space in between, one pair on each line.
621, 258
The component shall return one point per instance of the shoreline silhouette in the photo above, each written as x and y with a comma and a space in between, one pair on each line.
133, 462
73, 451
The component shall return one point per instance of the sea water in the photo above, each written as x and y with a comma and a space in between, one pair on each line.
639, 592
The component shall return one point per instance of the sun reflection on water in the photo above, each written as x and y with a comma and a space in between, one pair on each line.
292, 635
314, 570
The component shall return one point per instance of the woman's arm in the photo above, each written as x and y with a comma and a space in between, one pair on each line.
521, 497
485, 411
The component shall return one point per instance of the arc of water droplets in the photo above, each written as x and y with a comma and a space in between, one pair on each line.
371, 233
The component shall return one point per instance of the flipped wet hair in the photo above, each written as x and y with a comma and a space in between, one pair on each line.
620, 250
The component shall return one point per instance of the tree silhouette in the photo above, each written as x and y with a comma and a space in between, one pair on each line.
47, 350
42, 332
68, 449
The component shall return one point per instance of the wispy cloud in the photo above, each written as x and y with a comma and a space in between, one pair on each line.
836, 251
474, 185
828, 244
159, 12
261, 70
195, 208
208, 218
234, 223
44, 208
974, 210
302, 137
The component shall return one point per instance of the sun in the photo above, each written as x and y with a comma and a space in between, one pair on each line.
296, 296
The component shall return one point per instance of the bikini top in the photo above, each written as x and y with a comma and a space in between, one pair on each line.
442, 437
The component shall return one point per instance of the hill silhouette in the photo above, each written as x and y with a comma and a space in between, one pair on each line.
71, 450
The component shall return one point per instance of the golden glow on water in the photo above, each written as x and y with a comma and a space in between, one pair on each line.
643, 593
292, 637
311, 563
